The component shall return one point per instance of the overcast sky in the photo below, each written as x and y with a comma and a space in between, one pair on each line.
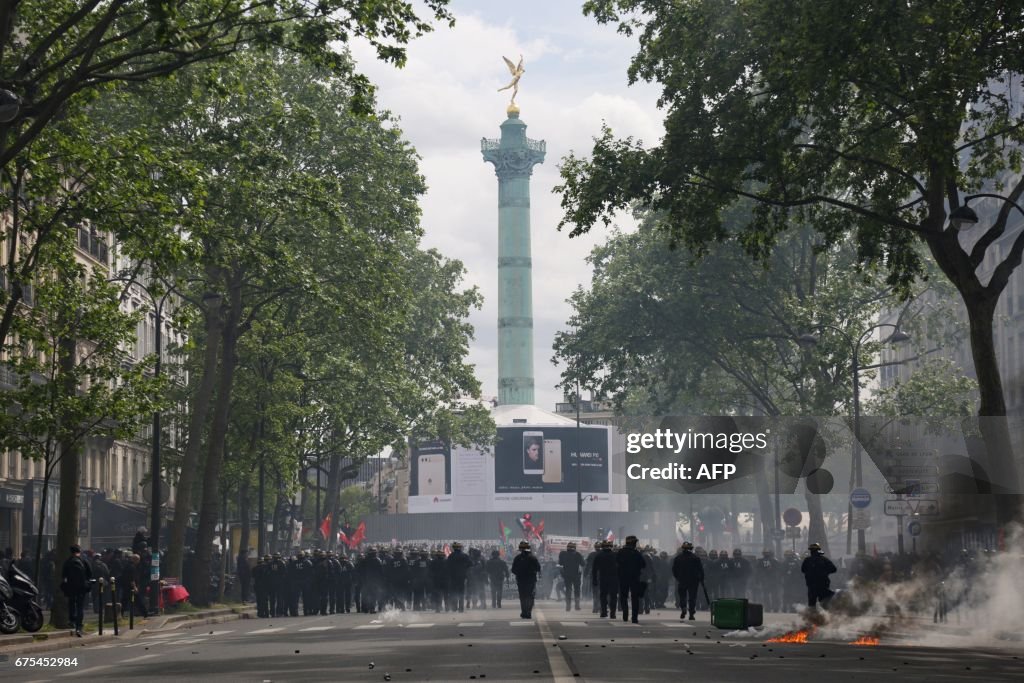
446, 98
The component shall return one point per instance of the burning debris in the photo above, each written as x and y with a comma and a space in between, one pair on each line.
866, 640
800, 636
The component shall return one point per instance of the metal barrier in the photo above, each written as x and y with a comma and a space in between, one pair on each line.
103, 608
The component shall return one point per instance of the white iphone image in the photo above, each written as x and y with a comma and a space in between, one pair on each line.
431, 475
552, 461
533, 452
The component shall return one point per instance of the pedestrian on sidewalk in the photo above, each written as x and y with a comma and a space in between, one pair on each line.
76, 581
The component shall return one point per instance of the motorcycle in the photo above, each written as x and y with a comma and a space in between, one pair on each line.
18, 603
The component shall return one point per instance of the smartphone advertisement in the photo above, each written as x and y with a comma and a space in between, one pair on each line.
430, 470
544, 460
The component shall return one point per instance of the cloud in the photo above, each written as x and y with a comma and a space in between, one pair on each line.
446, 99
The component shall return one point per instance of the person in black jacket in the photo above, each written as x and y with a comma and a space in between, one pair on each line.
244, 574
572, 564
526, 569
631, 566
76, 581
458, 565
439, 581
816, 569
688, 572
605, 578
497, 574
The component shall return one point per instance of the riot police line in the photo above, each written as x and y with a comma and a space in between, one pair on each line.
628, 580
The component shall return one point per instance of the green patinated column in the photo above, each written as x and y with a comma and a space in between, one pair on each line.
514, 156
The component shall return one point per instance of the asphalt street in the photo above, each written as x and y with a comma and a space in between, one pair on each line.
495, 645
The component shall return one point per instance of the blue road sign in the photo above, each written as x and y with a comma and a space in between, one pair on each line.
860, 498
914, 528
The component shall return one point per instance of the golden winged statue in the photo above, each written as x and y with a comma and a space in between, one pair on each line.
517, 71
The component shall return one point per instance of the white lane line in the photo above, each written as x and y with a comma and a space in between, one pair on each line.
675, 624
218, 633
266, 630
419, 625
573, 623
524, 622
87, 671
137, 659
470, 623
560, 671
190, 641
158, 636
366, 627
316, 628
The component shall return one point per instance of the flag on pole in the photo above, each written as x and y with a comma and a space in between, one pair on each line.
325, 527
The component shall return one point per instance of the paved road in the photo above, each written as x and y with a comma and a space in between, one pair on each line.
492, 645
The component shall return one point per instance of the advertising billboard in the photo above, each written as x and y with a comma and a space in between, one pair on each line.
528, 468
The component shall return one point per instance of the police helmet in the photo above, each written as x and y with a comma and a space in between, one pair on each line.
632, 540
814, 547
737, 553
495, 553
266, 558
571, 545
523, 545
687, 545
767, 552
456, 546
713, 555
277, 556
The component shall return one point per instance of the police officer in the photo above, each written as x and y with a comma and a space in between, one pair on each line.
478, 580
605, 578
458, 565
260, 579
689, 573
631, 565
588, 577
767, 582
711, 583
792, 580
571, 563
333, 569
816, 569
397, 574
320, 579
346, 581
702, 602
371, 581
664, 572
439, 581
725, 576
497, 574
739, 570
420, 568
278, 586
526, 569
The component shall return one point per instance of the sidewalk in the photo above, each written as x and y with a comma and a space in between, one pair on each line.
26, 643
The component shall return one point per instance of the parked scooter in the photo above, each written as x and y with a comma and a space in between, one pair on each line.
19, 604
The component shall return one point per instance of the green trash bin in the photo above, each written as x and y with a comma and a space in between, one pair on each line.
736, 613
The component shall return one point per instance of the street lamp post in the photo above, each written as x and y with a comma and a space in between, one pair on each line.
855, 344
579, 467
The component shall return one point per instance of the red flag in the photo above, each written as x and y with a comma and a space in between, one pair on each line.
358, 535
325, 527
538, 530
342, 538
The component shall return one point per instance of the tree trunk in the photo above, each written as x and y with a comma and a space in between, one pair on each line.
190, 462
223, 547
208, 509
816, 532
765, 507
1001, 465
243, 512
333, 493
70, 473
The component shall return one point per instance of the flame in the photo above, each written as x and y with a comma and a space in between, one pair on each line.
800, 636
866, 640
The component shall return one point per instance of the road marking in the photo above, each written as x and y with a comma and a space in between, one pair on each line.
87, 671
419, 625
316, 628
266, 630
190, 641
561, 672
470, 623
366, 627
157, 636
524, 622
676, 624
219, 633
573, 623
136, 659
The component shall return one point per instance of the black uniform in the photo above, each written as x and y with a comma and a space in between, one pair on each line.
526, 569
260, 579
631, 565
605, 581
739, 570
321, 579
278, 586
458, 565
689, 573
572, 564
398, 578
497, 574
346, 580
591, 584
816, 570
792, 582
767, 582
419, 566
439, 582
370, 572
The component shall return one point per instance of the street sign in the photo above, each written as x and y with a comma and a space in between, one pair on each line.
924, 507
778, 534
896, 507
860, 498
914, 528
792, 517
911, 487
861, 519
793, 532
915, 471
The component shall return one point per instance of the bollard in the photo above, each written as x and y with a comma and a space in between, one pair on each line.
113, 602
103, 608
131, 610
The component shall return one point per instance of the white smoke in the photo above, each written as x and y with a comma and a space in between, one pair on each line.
392, 616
